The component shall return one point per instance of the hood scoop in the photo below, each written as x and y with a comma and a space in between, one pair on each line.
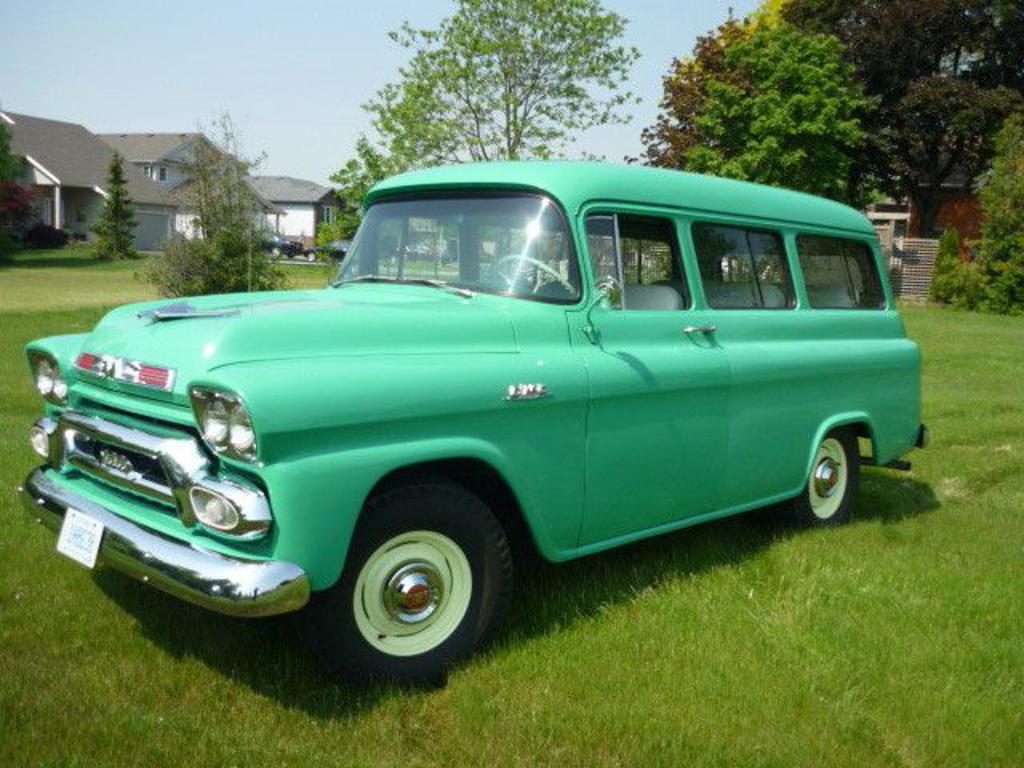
184, 311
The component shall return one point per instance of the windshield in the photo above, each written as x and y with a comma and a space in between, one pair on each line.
513, 245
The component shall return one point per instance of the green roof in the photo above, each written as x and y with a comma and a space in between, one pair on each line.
575, 184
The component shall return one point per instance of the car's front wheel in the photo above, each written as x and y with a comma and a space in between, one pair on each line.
427, 579
827, 498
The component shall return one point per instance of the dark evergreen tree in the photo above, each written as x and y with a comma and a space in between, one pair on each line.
116, 228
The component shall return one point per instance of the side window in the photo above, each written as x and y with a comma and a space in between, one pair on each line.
642, 253
743, 268
839, 273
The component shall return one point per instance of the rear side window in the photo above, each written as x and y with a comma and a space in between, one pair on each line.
839, 273
743, 268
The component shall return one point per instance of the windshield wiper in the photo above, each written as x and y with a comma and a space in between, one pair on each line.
441, 284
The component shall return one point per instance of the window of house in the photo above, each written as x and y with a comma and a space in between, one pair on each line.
641, 252
148, 170
328, 214
743, 268
839, 273
163, 173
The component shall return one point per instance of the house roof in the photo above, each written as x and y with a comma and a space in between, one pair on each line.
76, 157
575, 184
286, 189
183, 196
147, 147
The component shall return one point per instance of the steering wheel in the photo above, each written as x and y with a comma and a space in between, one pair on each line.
511, 277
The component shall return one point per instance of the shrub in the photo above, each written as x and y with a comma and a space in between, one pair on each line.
226, 263
956, 282
1001, 250
45, 236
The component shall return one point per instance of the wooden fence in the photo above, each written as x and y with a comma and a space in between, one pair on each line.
911, 262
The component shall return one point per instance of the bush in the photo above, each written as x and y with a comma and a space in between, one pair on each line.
45, 236
956, 282
227, 263
1001, 250
8, 245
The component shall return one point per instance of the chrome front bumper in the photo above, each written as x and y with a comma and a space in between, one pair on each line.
229, 585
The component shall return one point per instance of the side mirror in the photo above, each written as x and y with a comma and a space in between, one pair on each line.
609, 292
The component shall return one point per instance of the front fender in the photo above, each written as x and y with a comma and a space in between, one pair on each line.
317, 500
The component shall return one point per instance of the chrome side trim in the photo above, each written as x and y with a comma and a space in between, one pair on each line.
230, 585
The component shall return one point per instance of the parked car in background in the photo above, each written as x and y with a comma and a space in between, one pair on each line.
281, 246
586, 354
334, 249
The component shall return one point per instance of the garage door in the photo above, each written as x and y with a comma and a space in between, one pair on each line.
150, 230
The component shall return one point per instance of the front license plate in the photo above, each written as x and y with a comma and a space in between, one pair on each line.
80, 537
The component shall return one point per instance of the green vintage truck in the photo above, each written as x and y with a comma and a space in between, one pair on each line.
583, 353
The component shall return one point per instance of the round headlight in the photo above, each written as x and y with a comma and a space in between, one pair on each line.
224, 422
241, 435
215, 423
46, 377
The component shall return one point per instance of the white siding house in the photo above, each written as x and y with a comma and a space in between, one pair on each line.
305, 205
164, 158
67, 166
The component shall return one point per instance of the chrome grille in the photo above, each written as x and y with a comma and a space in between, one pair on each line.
151, 463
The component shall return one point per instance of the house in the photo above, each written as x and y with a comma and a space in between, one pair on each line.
306, 205
164, 158
66, 166
957, 206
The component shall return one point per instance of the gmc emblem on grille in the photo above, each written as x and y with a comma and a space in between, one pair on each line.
116, 461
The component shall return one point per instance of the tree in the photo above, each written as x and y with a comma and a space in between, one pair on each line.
943, 74
1001, 252
15, 198
496, 80
225, 254
762, 102
115, 229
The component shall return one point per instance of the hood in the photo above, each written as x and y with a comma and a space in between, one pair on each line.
351, 320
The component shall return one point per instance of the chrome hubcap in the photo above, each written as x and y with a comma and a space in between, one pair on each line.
413, 592
826, 477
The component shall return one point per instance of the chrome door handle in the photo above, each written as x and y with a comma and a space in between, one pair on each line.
700, 329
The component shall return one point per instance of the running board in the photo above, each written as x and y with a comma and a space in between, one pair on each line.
901, 464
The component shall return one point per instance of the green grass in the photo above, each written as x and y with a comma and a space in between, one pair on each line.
71, 278
895, 640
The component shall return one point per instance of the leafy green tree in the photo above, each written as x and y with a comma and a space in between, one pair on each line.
225, 253
15, 198
1001, 252
354, 180
763, 103
10, 164
115, 229
942, 76
496, 80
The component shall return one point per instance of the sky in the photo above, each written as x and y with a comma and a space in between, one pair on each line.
292, 75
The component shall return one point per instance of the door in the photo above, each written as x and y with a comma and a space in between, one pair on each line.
659, 385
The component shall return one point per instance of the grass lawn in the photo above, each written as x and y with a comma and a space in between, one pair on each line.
896, 640
71, 278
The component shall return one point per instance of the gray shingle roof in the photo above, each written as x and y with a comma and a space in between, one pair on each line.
77, 157
285, 189
146, 147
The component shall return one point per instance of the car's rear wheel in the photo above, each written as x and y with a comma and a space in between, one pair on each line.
828, 497
427, 579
